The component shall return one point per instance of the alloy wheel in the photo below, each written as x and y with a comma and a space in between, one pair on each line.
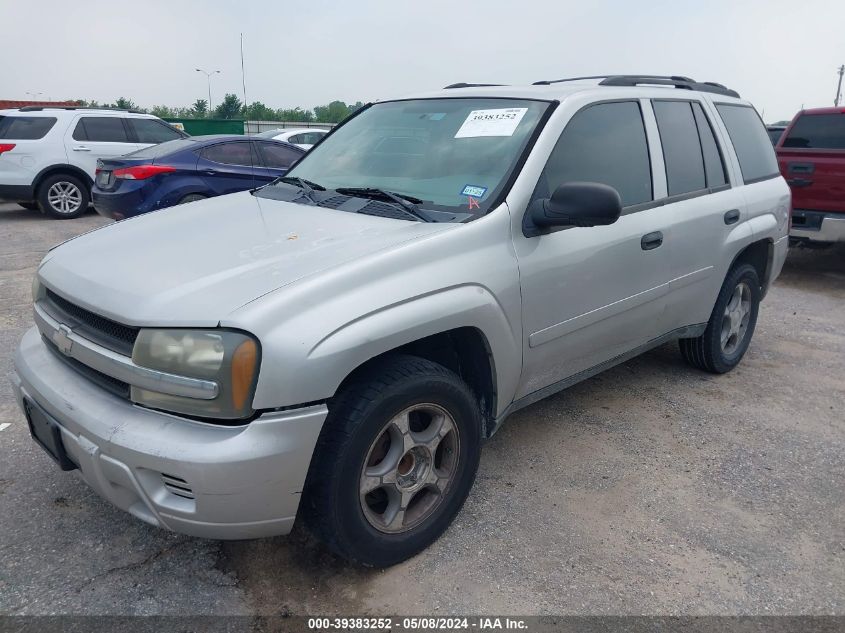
64, 197
409, 468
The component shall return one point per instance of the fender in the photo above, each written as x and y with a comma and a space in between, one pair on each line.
335, 356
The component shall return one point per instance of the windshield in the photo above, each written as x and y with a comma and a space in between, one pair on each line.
451, 154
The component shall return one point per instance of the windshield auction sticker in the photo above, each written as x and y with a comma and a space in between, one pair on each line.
499, 122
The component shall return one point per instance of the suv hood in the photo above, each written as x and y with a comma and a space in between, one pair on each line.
192, 265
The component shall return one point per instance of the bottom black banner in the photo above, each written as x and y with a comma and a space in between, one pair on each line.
403, 624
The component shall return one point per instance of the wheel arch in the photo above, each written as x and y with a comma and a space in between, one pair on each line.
760, 255
464, 350
61, 169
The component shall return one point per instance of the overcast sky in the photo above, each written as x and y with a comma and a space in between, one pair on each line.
777, 54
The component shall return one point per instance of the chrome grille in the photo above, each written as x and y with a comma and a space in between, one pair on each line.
115, 336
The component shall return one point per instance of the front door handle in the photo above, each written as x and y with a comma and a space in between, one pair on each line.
81, 148
650, 241
732, 216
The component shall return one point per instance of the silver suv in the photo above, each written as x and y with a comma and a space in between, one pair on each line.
337, 346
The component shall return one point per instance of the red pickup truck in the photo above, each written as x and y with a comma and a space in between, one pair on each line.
811, 155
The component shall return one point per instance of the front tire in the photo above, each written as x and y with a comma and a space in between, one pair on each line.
192, 197
731, 324
63, 196
395, 461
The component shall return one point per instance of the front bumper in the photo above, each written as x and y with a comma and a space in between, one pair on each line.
817, 226
241, 482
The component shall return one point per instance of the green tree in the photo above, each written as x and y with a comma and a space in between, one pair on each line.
334, 112
200, 109
229, 108
125, 104
257, 111
163, 111
296, 114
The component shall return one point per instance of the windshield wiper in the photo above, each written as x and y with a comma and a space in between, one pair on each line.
306, 185
408, 203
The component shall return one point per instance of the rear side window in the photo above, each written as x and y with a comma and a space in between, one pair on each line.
278, 156
152, 131
237, 153
817, 131
103, 129
25, 128
297, 138
752, 145
603, 143
681, 146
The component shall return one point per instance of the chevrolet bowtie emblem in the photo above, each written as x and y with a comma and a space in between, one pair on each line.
61, 338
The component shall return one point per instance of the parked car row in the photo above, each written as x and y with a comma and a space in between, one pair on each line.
50, 157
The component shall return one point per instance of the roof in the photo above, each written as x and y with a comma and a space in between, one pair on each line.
645, 85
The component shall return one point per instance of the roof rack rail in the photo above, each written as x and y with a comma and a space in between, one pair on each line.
684, 83
678, 81
41, 108
465, 85
557, 81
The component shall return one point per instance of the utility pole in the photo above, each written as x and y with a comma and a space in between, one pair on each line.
839, 86
208, 77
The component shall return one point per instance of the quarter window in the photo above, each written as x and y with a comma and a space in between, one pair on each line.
752, 145
681, 147
714, 167
104, 129
603, 143
25, 128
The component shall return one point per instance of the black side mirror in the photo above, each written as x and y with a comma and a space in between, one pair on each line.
575, 204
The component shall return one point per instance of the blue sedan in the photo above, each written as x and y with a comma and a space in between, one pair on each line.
185, 170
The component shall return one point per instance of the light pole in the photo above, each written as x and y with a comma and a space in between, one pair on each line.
208, 77
34, 95
840, 70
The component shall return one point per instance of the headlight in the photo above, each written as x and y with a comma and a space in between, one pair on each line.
228, 358
36, 289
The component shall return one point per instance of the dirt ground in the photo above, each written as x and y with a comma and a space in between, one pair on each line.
650, 489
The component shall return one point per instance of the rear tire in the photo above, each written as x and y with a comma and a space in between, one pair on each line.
63, 196
731, 324
394, 463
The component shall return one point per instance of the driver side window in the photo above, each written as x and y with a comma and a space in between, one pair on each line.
604, 143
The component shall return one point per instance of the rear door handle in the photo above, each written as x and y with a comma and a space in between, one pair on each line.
650, 241
732, 216
81, 148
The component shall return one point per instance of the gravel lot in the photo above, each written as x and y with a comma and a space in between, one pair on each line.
649, 489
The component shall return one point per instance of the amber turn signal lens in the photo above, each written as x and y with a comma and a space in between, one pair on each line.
243, 371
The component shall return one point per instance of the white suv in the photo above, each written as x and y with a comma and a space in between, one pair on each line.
48, 156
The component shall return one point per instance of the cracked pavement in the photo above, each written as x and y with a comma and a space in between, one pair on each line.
651, 488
